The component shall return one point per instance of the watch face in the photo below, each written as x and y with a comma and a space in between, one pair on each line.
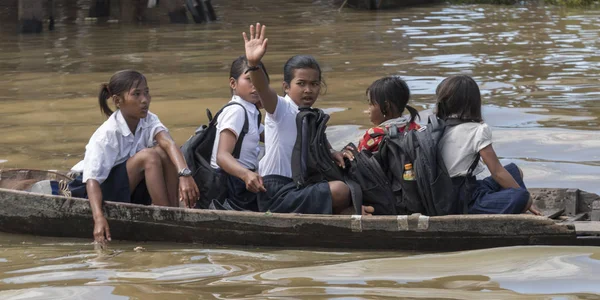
185, 172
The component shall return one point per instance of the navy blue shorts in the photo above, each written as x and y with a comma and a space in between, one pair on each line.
115, 188
283, 196
490, 198
238, 197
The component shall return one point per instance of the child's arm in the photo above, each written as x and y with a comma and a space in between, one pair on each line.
188, 191
229, 164
499, 173
101, 230
256, 47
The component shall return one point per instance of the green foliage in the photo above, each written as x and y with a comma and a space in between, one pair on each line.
571, 3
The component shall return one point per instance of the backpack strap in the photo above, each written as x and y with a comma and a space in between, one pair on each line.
238, 144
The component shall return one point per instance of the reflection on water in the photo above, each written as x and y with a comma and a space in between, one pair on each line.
36, 270
537, 67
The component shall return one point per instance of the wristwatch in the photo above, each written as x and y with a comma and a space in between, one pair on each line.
185, 172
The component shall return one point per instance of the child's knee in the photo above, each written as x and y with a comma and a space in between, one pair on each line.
150, 157
164, 157
522, 199
339, 190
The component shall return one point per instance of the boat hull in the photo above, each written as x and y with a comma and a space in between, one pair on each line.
28, 213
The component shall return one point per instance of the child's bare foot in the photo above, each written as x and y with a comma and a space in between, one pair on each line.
367, 210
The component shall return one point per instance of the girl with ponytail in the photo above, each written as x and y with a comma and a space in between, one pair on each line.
388, 98
131, 157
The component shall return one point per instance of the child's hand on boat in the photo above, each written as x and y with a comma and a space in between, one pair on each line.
101, 230
188, 191
256, 44
254, 182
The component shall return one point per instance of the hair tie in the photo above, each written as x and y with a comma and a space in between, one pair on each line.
108, 89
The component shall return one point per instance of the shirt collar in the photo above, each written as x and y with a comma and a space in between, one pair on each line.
294, 105
122, 124
398, 121
247, 105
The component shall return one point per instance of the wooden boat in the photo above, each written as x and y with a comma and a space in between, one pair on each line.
47, 215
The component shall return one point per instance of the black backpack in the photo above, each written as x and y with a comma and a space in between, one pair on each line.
375, 186
311, 158
433, 192
197, 151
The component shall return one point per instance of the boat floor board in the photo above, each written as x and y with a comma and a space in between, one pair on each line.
587, 228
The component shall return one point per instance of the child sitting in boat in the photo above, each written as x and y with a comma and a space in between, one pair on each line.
302, 85
240, 175
458, 97
388, 98
131, 157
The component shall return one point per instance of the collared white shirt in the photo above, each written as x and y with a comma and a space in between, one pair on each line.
113, 143
232, 118
280, 137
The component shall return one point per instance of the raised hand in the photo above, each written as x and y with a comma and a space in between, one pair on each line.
256, 44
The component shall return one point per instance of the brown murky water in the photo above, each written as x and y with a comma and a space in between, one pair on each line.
537, 67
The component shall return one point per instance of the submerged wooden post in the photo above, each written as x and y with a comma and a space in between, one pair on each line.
50, 15
115, 10
99, 9
177, 13
31, 14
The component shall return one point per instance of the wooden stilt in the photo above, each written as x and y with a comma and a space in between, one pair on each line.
31, 13
99, 9
51, 14
177, 13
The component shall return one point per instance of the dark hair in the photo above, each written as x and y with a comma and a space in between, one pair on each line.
301, 62
392, 90
118, 84
240, 65
458, 96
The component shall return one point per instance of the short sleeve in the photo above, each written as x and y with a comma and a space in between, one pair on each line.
155, 127
371, 139
483, 137
100, 156
281, 110
232, 118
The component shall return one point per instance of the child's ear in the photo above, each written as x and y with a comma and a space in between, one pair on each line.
232, 83
286, 88
116, 100
388, 107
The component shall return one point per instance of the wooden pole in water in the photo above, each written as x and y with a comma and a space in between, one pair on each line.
176, 9
31, 13
99, 8
50, 15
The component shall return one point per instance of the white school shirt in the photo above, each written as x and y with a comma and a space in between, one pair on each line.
232, 118
280, 137
461, 143
113, 143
